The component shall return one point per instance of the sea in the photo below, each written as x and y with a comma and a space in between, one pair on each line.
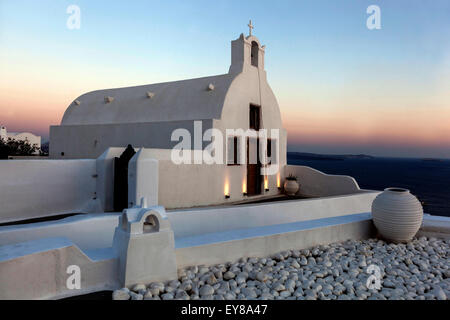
427, 179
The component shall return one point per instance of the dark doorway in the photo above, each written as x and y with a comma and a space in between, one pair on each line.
255, 117
253, 167
121, 178
253, 164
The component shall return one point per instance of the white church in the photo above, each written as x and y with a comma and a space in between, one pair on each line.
136, 216
146, 116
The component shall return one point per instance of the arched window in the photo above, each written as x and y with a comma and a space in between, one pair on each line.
255, 51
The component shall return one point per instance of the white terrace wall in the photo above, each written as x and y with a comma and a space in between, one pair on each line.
185, 185
37, 188
142, 180
155, 177
39, 270
198, 221
142, 177
105, 177
89, 232
314, 183
34, 264
42, 188
192, 185
188, 185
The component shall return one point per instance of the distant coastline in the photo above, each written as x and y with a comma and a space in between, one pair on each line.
432, 159
316, 156
320, 156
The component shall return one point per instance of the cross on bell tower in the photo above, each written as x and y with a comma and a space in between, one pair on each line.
250, 27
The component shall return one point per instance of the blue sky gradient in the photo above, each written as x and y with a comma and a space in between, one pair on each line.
326, 68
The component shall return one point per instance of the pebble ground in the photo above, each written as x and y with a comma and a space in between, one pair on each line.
355, 270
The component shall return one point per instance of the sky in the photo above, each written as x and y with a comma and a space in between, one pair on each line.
341, 87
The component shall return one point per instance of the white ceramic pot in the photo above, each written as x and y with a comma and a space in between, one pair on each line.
291, 187
397, 214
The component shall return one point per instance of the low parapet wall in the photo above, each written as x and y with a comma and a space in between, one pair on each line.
96, 231
169, 241
32, 189
88, 232
435, 226
144, 253
38, 188
314, 183
41, 188
265, 241
146, 248
41, 269
195, 221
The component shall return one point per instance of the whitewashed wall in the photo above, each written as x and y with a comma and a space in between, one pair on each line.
191, 185
186, 185
314, 183
37, 188
105, 177
197, 221
142, 180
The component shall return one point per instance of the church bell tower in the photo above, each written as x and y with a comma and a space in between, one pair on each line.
246, 52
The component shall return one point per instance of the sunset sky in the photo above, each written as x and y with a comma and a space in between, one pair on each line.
341, 87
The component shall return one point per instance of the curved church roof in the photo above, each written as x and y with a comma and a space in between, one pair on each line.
193, 99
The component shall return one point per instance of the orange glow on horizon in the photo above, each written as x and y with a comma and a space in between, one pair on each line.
352, 115
394, 127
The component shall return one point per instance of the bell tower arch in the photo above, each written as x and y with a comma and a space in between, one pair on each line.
246, 52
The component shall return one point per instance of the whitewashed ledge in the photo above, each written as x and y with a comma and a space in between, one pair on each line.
435, 226
100, 263
219, 247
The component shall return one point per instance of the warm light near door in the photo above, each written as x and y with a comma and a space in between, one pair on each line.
244, 187
278, 181
266, 183
226, 190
